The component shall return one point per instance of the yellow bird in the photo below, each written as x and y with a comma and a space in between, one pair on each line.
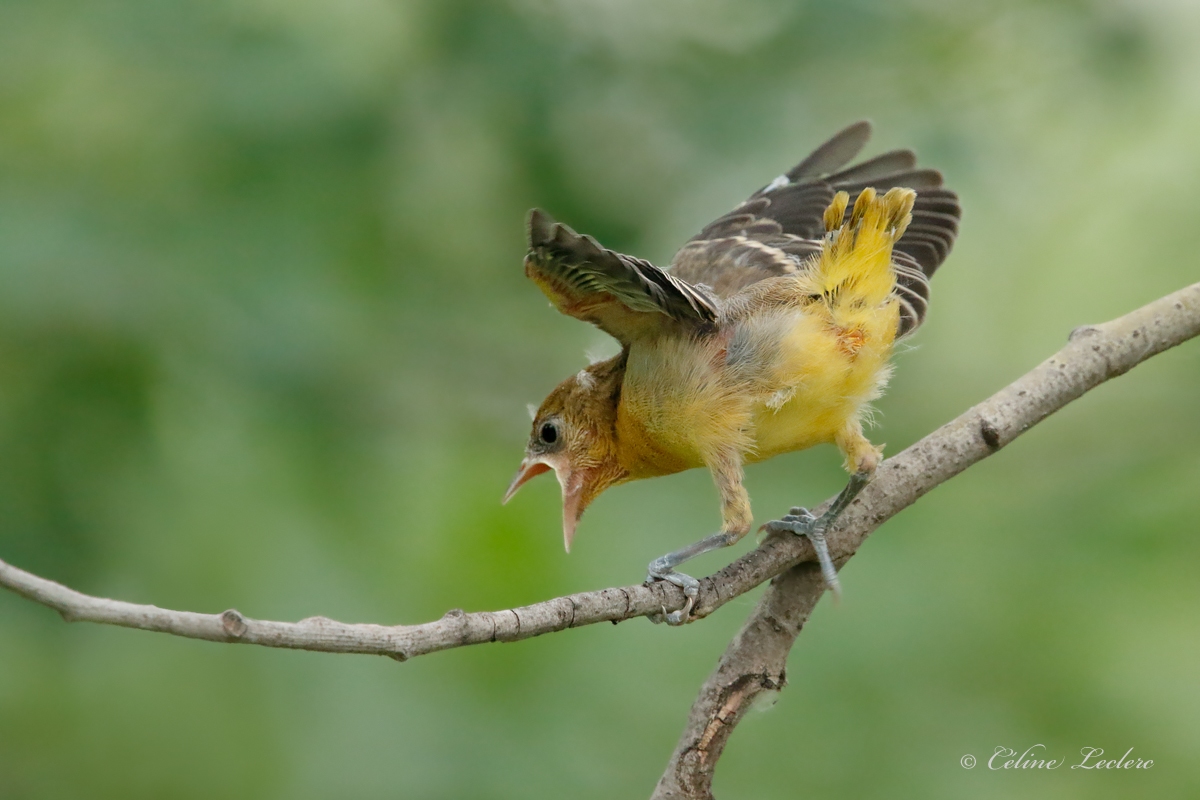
770, 332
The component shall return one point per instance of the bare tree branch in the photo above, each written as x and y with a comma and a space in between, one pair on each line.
753, 664
1094, 355
755, 660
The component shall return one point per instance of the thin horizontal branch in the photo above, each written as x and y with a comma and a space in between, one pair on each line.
754, 661
1093, 356
401, 642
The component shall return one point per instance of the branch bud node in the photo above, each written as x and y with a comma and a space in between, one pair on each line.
233, 623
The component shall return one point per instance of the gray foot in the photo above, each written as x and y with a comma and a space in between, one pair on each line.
802, 522
661, 570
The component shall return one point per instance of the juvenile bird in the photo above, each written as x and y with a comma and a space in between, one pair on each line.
770, 332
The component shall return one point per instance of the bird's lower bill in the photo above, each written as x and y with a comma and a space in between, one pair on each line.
572, 490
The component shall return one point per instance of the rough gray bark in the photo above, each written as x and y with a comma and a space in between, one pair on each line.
755, 660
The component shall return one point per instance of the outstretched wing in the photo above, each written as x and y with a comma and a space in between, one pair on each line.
624, 296
779, 227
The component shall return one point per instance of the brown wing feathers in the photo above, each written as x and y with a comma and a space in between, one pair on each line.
609, 289
775, 231
841, 147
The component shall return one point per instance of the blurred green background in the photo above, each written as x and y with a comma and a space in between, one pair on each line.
265, 343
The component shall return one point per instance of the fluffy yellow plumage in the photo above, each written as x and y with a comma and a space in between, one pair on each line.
784, 352
793, 369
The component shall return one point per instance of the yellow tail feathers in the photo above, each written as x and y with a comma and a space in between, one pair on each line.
854, 271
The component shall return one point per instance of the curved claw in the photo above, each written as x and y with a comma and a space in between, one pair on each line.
691, 590
802, 522
681, 616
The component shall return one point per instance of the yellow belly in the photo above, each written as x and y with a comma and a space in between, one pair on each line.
779, 382
826, 377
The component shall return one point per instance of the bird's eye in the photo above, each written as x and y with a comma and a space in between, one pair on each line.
548, 433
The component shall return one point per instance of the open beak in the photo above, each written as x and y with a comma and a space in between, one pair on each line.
572, 491
529, 469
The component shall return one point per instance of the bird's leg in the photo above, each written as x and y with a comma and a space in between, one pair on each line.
862, 458
735, 510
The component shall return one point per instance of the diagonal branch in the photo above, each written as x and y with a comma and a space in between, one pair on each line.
1094, 355
755, 660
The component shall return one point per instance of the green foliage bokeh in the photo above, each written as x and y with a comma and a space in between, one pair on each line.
265, 343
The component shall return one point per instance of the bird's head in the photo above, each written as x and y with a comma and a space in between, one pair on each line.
574, 434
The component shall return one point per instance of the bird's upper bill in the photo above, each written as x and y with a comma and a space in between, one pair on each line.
570, 480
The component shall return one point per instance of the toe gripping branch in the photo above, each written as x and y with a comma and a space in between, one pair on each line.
663, 569
803, 522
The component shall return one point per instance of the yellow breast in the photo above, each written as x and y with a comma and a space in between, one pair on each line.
826, 375
776, 382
